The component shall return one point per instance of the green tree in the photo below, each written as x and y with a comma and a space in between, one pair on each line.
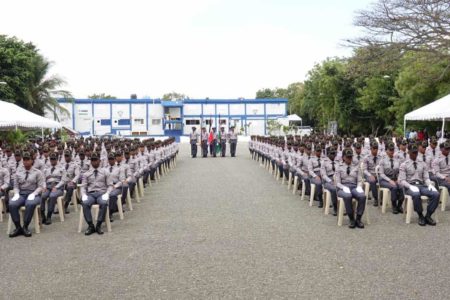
173, 96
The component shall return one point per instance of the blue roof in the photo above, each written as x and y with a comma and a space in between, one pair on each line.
177, 103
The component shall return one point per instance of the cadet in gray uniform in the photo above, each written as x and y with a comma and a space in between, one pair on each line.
72, 172
232, 136
414, 177
5, 178
193, 139
442, 167
388, 174
314, 167
204, 142
54, 179
28, 186
117, 177
97, 185
349, 182
328, 170
370, 163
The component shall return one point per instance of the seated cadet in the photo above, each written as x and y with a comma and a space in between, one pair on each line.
388, 174
72, 172
126, 173
413, 176
28, 185
327, 172
95, 189
369, 165
129, 161
302, 170
358, 156
442, 167
5, 179
117, 177
314, 166
349, 184
54, 179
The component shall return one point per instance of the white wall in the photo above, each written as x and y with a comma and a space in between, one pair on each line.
275, 108
156, 112
120, 112
222, 109
209, 109
138, 112
192, 109
83, 117
237, 109
101, 112
255, 109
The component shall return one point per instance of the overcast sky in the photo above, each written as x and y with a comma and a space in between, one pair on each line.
202, 48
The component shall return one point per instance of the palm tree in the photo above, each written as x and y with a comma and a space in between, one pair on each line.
43, 90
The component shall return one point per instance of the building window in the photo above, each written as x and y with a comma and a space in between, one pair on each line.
192, 122
223, 122
138, 121
156, 121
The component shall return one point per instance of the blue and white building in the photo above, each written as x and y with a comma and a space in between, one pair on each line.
147, 117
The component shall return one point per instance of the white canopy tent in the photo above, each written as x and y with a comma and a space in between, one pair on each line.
438, 110
15, 117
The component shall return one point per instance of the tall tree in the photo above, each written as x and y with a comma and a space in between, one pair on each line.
101, 96
173, 96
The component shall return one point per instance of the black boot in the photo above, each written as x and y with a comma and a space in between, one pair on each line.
90, 230
98, 228
422, 221
430, 220
400, 206
26, 231
48, 221
320, 203
352, 223
44, 219
66, 208
394, 208
358, 222
18, 231
375, 202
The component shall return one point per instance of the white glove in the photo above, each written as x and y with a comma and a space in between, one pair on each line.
105, 197
84, 198
15, 197
359, 190
31, 197
346, 190
432, 188
414, 189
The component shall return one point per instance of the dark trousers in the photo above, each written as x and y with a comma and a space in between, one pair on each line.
194, 150
205, 148
423, 191
319, 189
348, 197
443, 182
30, 205
51, 197
233, 145
332, 189
94, 198
212, 148
69, 194
113, 200
397, 195
373, 187
223, 145
152, 173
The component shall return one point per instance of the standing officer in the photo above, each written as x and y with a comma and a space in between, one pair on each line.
388, 174
370, 163
212, 142
349, 182
54, 178
204, 142
327, 171
96, 187
72, 171
223, 141
28, 185
194, 139
232, 136
414, 177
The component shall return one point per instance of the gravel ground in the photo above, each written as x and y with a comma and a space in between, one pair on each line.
224, 228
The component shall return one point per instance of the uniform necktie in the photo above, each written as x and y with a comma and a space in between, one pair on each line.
359, 157
434, 152
318, 161
404, 154
110, 169
348, 170
51, 171
26, 175
17, 165
46, 161
128, 160
446, 160
332, 166
118, 164
375, 160
415, 165
67, 167
82, 163
392, 163
95, 173
424, 157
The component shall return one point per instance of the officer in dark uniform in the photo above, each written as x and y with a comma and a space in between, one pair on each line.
204, 142
193, 140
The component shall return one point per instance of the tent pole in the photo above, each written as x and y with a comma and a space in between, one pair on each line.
42, 133
442, 130
404, 127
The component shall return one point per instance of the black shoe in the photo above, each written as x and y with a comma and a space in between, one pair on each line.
359, 224
48, 221
26, 232
352, 224
422, 221
111, 218
99, 229
400, 209
320, 204
66, 211
16, 232
430, 221
375, 203
334, 213
90, 230
395, 210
